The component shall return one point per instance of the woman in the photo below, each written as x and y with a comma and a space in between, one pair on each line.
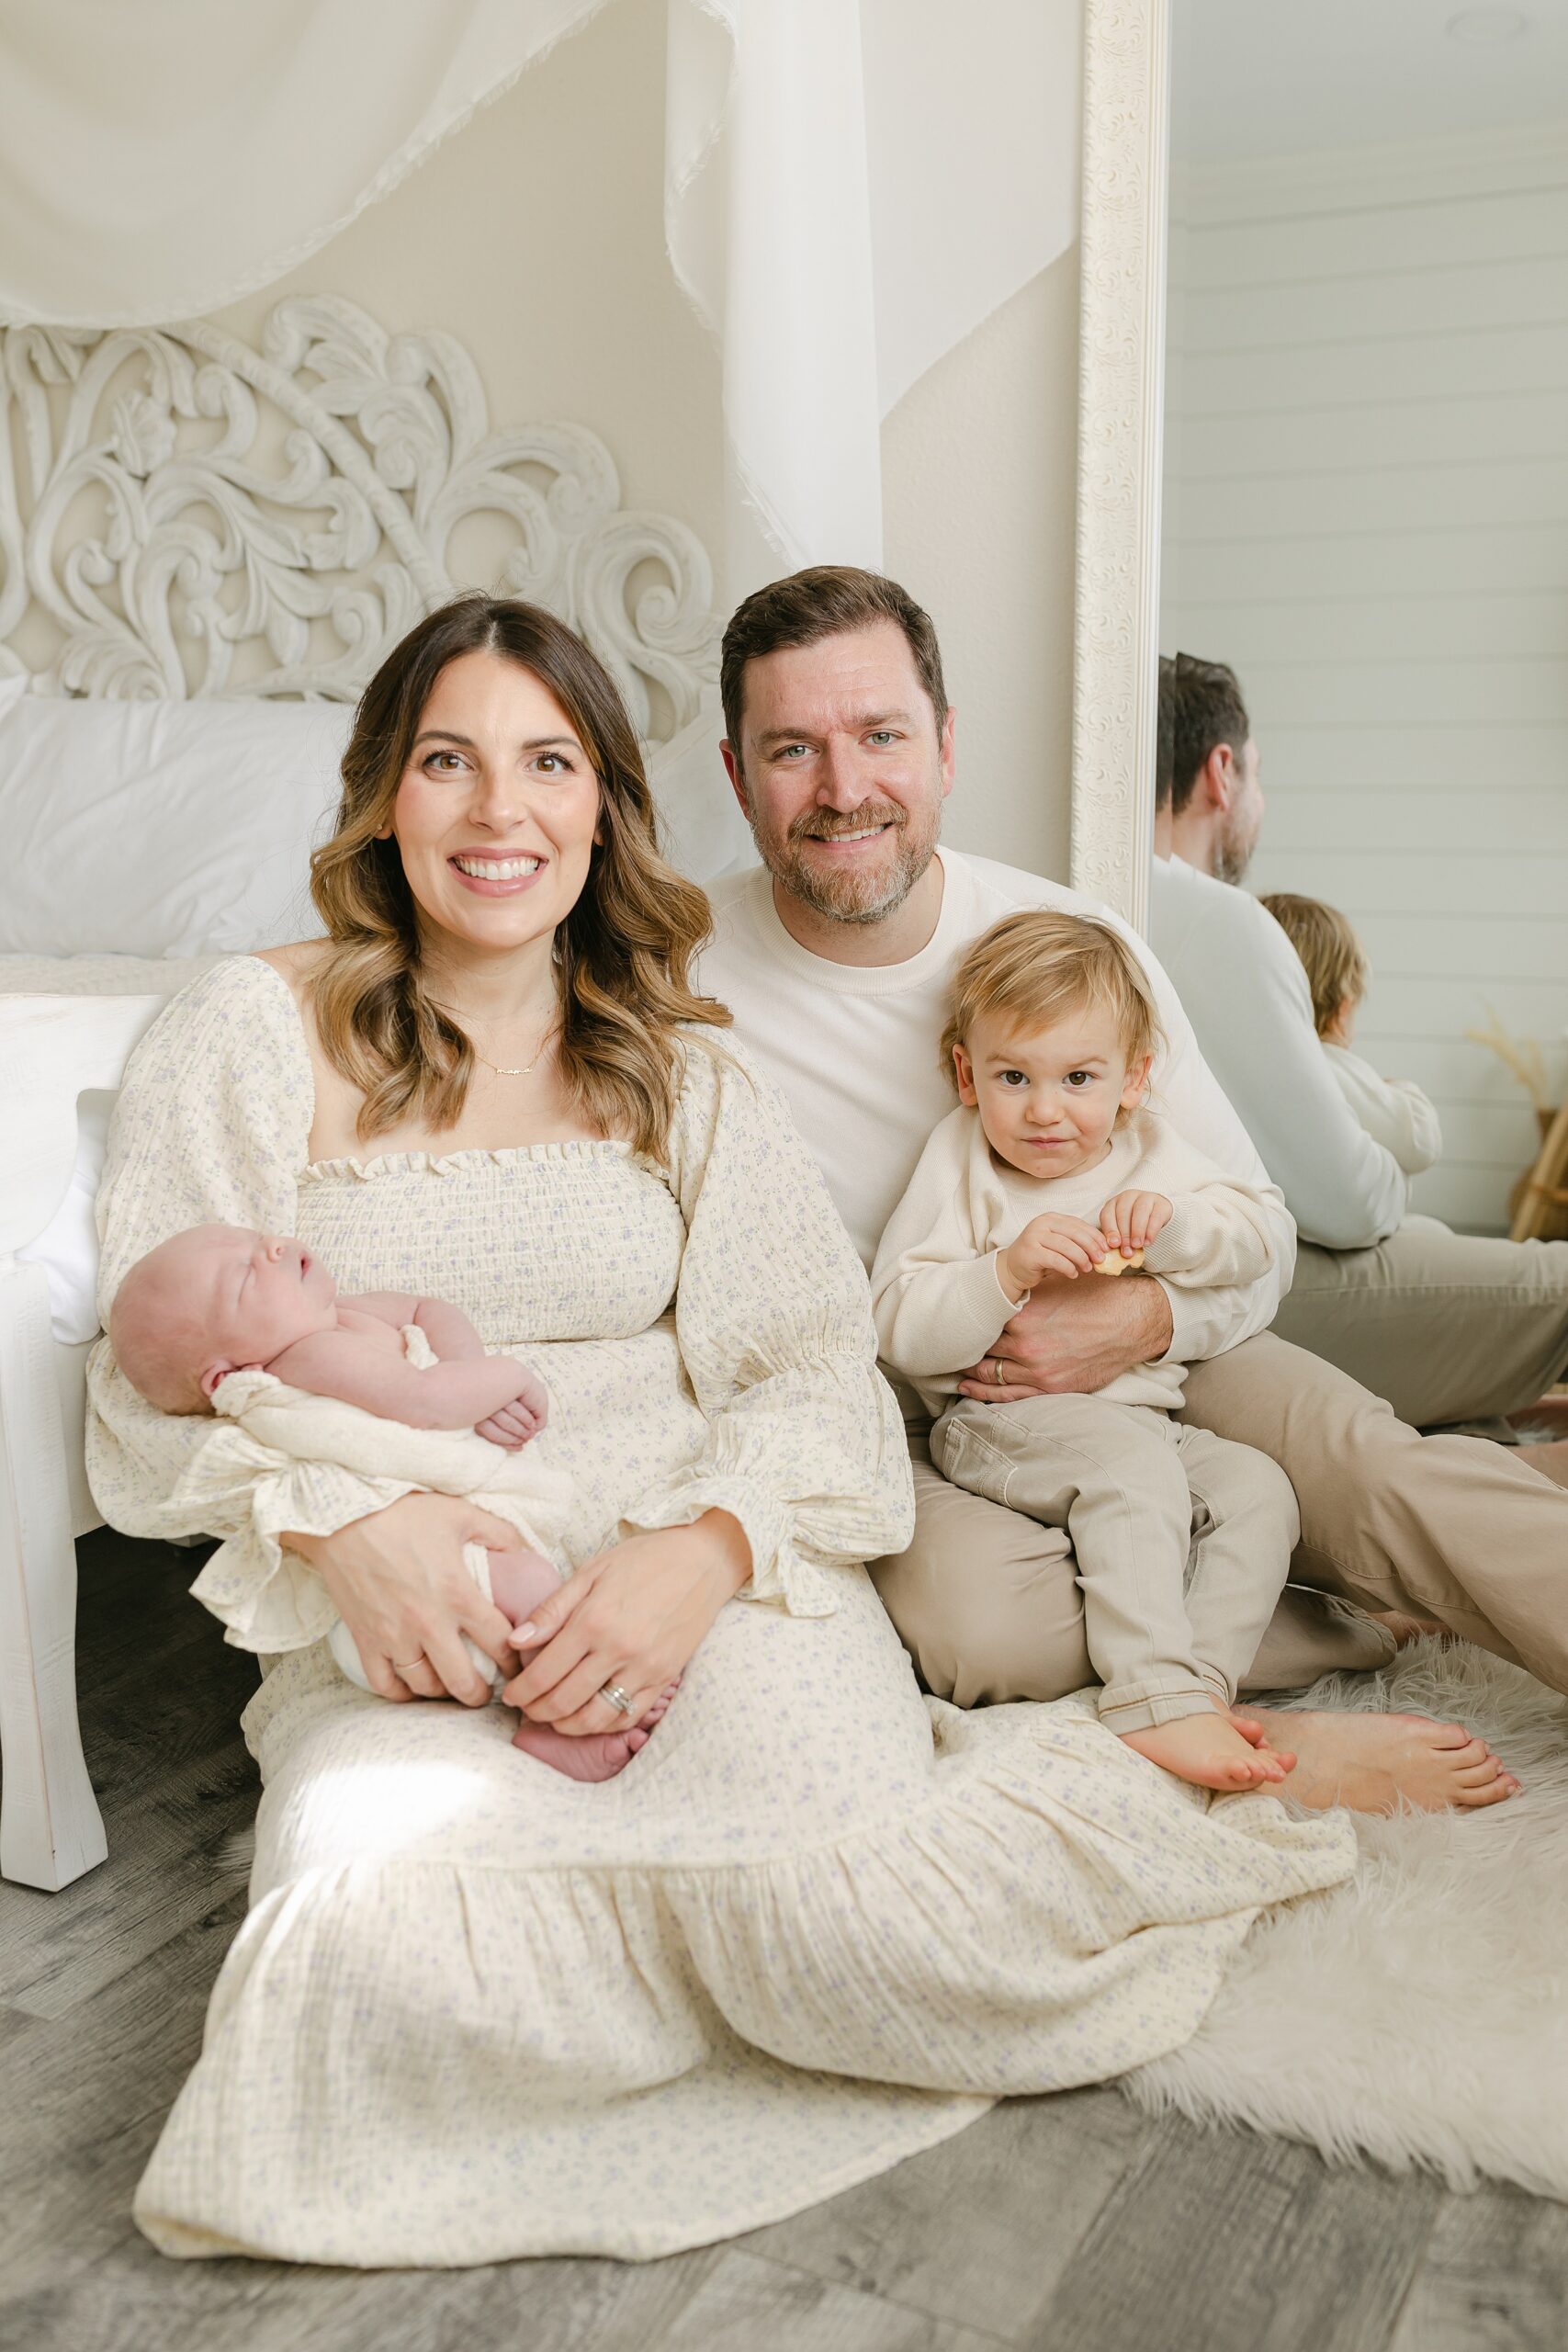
479, 2010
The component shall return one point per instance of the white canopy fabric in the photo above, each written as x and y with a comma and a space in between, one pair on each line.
850, 185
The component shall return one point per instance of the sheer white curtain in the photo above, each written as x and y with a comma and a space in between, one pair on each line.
850, 185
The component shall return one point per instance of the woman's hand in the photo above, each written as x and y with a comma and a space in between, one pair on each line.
397, 1580
632, 1617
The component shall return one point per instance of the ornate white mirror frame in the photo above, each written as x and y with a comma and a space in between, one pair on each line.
1121, 398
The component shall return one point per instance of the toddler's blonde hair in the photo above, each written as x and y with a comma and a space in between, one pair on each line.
1031, 968
1332, 957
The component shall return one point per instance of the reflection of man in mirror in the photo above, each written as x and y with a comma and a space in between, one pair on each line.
836, 956
1450, 1328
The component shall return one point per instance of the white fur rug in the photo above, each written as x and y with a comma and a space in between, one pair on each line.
1419, 2014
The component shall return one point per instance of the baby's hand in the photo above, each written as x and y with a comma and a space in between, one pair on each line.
511, 1427
1051, 1245
1131, 1221
513, 1424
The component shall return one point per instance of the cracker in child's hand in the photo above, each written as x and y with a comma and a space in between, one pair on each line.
1114, 1262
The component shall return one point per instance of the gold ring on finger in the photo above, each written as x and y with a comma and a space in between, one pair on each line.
620, 1699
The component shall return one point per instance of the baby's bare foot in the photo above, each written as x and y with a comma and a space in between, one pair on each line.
1376, 1763
599, 1757
1210, 1751
519, 1581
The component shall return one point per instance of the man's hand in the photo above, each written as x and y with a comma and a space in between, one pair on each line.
1049, 1244
1131, 1221
1071, 1339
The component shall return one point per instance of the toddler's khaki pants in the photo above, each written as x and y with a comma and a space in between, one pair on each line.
1182, 1542
989, 1605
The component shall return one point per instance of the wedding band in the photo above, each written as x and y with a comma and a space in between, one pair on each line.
412, 1664
997, 1370
620, 1699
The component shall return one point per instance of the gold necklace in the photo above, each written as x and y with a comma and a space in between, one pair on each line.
500, 1068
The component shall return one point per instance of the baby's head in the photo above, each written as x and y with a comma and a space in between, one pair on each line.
1053, 1032
214, 1300
1332, 957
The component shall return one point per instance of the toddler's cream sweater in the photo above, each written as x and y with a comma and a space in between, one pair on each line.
936, 1293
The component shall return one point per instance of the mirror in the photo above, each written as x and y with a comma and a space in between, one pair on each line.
1365, 516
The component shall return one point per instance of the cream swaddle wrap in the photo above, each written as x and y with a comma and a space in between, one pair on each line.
518, 1488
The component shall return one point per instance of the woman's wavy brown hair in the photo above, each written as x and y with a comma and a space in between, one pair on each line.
622, 954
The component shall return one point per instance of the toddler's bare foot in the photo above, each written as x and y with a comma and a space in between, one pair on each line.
1210, 1751
1375, 1763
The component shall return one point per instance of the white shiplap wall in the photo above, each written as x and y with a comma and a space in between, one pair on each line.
1366, 513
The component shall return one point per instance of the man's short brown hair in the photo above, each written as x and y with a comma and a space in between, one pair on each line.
828, 600
1201, 707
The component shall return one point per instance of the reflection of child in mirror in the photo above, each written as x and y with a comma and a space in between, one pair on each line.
1394, 1111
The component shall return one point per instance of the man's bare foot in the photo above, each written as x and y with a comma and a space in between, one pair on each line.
1378, 1763
1210, 1751
1547, 1418
1407, 1628
1551, 1461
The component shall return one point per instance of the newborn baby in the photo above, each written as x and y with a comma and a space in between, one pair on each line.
216, 1305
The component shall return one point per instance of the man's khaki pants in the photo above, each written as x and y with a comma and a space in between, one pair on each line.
1182, 1542
988, 1602
1443, 1326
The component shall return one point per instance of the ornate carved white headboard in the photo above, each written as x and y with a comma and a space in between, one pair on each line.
183, 516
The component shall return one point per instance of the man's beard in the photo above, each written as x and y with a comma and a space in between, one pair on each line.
849, 897
1233, 855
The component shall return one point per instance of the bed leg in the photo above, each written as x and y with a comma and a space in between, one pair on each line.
50, 1830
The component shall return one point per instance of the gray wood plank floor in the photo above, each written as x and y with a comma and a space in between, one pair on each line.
1073, 2223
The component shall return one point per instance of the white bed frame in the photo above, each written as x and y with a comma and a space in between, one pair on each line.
271, 522
197, 518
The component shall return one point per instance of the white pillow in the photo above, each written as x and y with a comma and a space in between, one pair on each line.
161, 828
701, 828
67, 1249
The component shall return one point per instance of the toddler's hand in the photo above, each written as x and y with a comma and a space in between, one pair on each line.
1131, 1221
1051, 1245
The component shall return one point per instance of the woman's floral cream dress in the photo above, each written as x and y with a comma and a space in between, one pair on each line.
480, 2010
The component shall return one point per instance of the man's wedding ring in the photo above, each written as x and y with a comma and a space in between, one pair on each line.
412, 1664
997, 1370
620, 1699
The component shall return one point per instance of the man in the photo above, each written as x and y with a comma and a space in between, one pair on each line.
836, 956
1447, 1327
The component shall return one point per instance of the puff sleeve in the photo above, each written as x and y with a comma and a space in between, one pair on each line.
806, 1443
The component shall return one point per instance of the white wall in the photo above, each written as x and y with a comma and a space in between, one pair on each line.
1367, 515
535, 236
980, 476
